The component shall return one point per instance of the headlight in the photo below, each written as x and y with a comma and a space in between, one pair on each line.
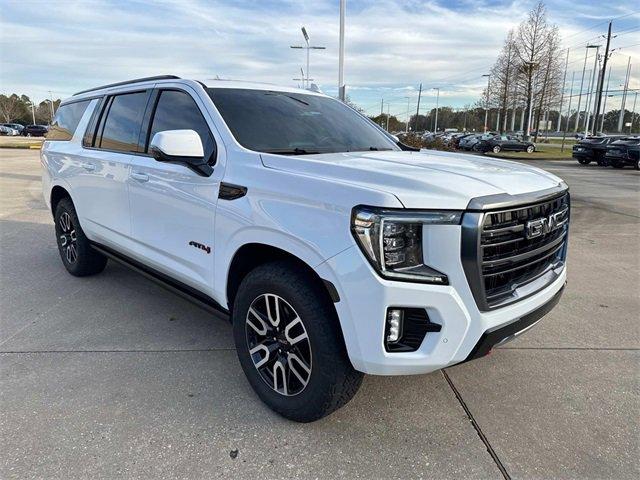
392, 241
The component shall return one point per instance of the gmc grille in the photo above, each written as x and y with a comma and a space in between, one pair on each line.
511, 253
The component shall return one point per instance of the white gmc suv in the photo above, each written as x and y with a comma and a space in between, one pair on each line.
334, 250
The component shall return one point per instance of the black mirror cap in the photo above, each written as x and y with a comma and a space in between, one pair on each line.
197, 164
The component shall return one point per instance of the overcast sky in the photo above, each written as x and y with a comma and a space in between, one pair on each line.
391, 45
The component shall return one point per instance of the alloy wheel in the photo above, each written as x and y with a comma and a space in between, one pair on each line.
278, 344
67, 238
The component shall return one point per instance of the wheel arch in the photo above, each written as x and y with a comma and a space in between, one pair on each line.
251, 255
58, 192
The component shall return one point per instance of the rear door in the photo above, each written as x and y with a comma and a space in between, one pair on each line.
110, 144
172, 207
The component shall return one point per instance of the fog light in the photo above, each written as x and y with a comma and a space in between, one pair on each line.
394, 321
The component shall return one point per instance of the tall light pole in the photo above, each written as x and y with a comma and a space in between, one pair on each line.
624, 96
307, 48
530, 66
584, 68
592, 85
437, 89
486, 110
633, 111
564, 81
52, 107
604, 106
341, 87
302, 79
406, 128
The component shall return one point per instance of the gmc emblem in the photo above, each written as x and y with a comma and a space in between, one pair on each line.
543, 226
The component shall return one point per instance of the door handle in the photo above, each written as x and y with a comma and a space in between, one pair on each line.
141, 177
89, 167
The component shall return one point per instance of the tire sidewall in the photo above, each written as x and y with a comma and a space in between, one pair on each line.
496, 149
530, 149
82, 243
317, 320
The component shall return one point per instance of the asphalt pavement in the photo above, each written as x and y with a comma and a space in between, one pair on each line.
114, 377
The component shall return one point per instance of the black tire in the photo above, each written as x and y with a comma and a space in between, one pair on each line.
530, 149
76, 253
331, 379
584, 161
496, 149
637, 165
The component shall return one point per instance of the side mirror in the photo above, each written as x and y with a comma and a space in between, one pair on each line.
180, 146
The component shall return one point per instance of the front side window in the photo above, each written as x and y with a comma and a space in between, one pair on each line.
121, 126
176, 110
295, 123
66, 120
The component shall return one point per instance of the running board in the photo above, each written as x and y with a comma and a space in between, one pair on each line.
185, 291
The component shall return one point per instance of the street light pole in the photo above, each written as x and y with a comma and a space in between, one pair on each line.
307, 48
531, 66
604, 107
406, 128
486, 110
52, 110
591, 94
341, 87
435, 128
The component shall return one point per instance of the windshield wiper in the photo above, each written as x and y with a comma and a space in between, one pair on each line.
376, 149
290, 151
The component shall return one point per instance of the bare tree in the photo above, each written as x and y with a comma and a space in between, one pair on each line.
10, 107
537, 46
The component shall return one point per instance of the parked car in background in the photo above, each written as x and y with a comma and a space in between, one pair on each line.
455, 142
35, 130
14, 126
8, 131
624, 151
592, 149
504, 143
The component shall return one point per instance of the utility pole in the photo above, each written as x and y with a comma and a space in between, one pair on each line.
486, 109
387, 116
52, 108
584, 67
564, 79
566, 127
33, 112
435, 129
592, 85
601, 82
341, 86
307, 48
604, 107
633, 112
418, 107
624, 96
406, 127
531, 66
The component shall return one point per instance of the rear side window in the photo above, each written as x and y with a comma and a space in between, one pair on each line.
176, 110
66, 120
121, 126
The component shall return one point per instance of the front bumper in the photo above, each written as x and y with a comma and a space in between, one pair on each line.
365, 297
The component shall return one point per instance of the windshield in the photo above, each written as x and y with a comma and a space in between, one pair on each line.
593, 140
295, 123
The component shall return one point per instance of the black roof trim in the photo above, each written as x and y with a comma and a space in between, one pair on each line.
135, 80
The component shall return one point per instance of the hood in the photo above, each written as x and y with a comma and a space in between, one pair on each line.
428, 179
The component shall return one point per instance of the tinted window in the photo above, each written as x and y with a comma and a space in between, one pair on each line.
295, 123
122, 125
66, 120
178, 111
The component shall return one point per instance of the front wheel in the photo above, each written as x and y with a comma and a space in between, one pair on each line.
289, 343
531, 149
496, 149
584, 161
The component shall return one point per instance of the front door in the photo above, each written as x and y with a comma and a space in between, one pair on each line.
172, 207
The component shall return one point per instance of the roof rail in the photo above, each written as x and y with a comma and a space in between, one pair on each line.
135, 80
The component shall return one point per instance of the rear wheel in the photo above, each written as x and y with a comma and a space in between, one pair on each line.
496, 149
289, 343
75, 250
584, 161
531, 149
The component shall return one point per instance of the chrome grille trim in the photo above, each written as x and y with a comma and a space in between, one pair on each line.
502, 264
